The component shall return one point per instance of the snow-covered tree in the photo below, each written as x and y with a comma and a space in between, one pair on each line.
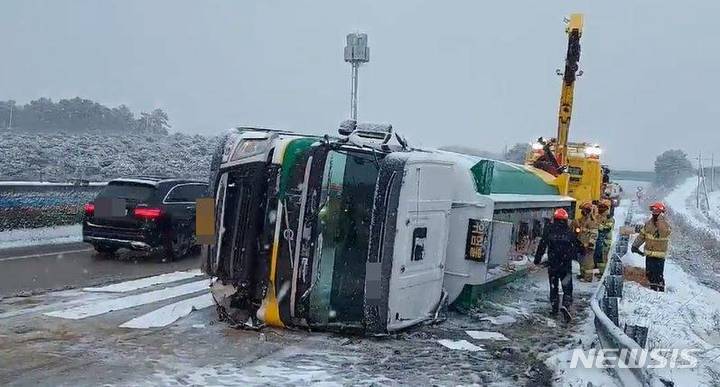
517, 152
155, 122
99, 157
671, 167
79, 115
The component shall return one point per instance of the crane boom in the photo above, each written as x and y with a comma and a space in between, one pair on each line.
574, 31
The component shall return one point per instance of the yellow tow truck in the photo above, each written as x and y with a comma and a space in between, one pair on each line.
576, 165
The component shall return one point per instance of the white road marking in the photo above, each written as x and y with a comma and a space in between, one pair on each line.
105, 306
128, 286
170, 313
43, 255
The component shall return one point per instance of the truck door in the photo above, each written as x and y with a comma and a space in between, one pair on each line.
419, 255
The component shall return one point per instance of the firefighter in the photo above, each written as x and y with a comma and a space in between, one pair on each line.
562, 247
655, 235
586, 229
606, 223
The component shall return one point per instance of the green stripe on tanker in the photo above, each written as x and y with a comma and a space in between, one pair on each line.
497, 177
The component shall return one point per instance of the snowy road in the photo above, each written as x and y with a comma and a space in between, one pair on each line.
43, 267
161, 331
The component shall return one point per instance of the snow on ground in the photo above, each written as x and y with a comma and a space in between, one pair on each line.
586, 337
682, 201
44, 235
687, 315
580, 376
462, 345
485, 335
714, 212
304, 369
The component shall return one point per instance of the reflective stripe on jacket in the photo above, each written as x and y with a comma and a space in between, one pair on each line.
656, 237
586, 229
606, 225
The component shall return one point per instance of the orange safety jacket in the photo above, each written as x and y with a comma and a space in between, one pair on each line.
655, 234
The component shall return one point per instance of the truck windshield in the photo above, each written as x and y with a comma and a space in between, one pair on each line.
348, 187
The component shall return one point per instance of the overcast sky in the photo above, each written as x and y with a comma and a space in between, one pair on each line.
478, 73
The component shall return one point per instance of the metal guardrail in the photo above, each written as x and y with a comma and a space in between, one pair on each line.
604, 304
33, 205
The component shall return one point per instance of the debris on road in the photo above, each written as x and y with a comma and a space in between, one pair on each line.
170, 313
500, 320
462, 345
485, 335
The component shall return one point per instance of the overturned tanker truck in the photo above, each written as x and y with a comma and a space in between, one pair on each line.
361, 231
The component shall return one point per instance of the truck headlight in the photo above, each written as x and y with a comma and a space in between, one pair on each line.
248, 147
593, 150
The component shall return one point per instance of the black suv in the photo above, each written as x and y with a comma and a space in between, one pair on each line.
144, 213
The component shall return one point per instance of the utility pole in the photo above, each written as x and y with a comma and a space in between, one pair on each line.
12, 106
697, 190
356, 53
712, 172
701, 183
705, 191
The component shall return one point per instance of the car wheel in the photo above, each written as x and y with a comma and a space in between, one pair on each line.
105, 249
176, 247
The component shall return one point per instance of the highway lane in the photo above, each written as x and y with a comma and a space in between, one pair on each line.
49, 267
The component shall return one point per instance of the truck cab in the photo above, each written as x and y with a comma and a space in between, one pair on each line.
364, 233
